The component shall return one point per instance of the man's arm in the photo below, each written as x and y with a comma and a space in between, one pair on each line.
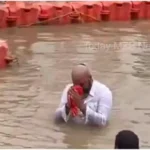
104, 108
63, 110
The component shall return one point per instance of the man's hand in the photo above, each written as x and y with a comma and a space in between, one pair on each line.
76, 97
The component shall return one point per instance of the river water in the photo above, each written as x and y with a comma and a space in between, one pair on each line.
118, 55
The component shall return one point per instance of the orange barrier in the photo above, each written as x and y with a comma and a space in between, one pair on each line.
5, 56
32, 13
3, 16
147, 10
29, 13
13, 14
46, 12
116, 11
3, 53
62, 9
90, 11
138, 10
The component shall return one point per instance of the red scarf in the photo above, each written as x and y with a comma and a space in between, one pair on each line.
74, 108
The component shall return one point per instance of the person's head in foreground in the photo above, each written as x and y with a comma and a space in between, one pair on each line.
126, 139
81, 76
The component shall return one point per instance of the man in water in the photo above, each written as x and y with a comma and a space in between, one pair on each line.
96, 104
126, 139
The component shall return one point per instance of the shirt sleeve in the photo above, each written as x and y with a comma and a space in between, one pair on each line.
101, 116
60, 113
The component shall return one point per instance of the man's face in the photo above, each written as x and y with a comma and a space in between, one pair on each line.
85, 83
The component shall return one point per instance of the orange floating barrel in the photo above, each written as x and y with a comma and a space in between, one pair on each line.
29, 13
3, 53
61, 14
3, 16
46, 12
13, 14
138, 10
116, 11
147, 9
90, 11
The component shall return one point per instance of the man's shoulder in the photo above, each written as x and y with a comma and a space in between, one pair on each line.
101, 86
101, 90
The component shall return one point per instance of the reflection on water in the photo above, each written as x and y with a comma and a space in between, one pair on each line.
30, 92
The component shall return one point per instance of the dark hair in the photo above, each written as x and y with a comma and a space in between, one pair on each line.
126, 139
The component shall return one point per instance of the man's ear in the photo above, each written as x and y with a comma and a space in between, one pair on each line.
82, 64
91, 77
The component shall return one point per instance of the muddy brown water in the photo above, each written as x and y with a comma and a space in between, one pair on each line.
30, 92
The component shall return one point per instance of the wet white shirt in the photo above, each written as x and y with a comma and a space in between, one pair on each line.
98, 106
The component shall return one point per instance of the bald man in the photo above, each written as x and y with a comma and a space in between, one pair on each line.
95, 105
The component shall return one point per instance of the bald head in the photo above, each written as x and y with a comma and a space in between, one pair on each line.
81, 76
80, 71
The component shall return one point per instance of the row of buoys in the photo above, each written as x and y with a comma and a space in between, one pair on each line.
22, 14
32, 13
